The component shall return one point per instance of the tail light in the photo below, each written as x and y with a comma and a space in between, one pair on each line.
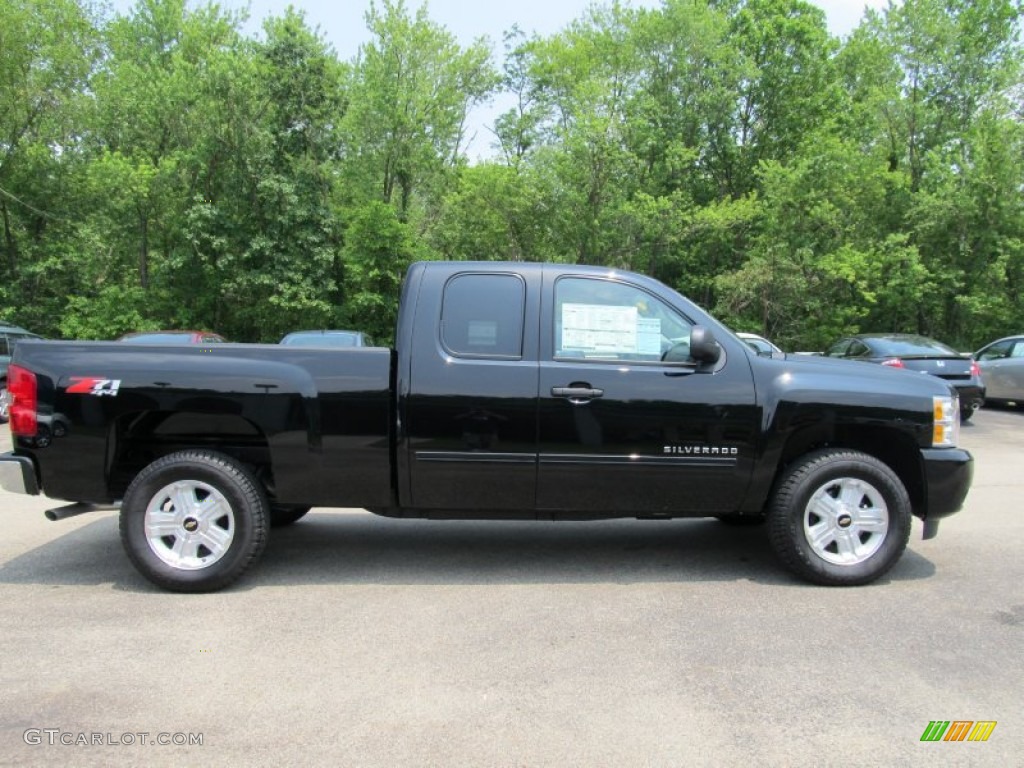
975, 369
22, 390
893, 362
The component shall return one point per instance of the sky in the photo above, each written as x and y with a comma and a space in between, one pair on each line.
342, 23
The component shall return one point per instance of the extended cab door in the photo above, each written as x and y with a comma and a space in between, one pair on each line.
468, 390
623, 430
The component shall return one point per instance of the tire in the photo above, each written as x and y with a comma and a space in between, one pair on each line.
5, 407
839, 518
281, 515
194, 521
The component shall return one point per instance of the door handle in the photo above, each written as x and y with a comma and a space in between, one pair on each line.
577, 395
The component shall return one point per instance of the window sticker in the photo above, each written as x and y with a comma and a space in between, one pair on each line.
483, 333
598, 329
648, 336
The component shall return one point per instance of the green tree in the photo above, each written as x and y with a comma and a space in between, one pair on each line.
819, 266
410, 92
271, 230
47, 51
379, 248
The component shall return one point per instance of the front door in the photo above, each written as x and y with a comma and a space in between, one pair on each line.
627, 422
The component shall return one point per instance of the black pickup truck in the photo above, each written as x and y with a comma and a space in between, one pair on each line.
516, 391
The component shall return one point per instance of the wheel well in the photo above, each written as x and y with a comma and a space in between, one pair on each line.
896, 449
139, 439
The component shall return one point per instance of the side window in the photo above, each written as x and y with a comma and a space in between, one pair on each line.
998, 351
482, 316
4, 348
604, 320
1018, 349
857, 349
839, 348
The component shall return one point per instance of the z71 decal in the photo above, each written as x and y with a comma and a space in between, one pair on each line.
93, 385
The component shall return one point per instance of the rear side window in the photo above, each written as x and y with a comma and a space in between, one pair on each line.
858, 349
482, 316
998, 351
839, 348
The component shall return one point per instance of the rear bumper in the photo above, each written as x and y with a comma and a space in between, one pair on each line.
18, 474
972, 396
947, 474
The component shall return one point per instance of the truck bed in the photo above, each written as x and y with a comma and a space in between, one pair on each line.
322, 416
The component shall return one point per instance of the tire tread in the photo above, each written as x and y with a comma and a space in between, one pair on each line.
245, 483
785, 530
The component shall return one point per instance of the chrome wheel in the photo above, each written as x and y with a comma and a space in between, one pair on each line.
189, 525
846, 521
839, 517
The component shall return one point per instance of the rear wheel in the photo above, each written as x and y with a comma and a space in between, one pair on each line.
840, 518
194, 521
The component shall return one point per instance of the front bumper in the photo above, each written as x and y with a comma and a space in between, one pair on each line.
18, 474
947, 476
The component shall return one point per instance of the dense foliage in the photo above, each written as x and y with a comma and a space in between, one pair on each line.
163, 169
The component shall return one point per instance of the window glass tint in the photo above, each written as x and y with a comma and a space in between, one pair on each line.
996, 351
4, 348
857, 349
482, 315
605, 320
839, 348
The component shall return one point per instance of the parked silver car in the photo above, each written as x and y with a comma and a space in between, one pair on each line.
1002, 365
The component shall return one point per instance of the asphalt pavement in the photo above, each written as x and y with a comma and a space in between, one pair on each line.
364, 641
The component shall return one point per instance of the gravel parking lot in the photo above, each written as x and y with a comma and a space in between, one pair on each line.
363, 641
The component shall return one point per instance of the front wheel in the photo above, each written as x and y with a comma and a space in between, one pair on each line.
839, 518
194, 521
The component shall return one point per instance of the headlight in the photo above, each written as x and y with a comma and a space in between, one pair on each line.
945, 421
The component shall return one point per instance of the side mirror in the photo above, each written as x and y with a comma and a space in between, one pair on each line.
703, 347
